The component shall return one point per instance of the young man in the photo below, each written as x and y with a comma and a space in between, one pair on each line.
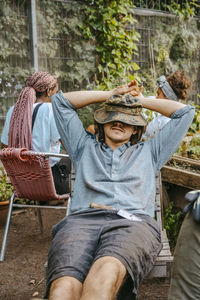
105, 253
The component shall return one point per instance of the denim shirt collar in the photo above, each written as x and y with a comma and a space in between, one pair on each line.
120, 149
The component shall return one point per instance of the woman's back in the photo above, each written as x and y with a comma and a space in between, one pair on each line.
45, 136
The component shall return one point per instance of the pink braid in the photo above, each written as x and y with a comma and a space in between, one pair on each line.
20, 131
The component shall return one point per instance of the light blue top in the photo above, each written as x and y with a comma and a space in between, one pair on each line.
45, 136
124, 178
155, 126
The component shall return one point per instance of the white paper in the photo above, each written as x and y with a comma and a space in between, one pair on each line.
126, 215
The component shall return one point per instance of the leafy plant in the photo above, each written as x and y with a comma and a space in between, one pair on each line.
185, 9
190, 146
6, 189
172, 222
110, 24
195, 126
179, 7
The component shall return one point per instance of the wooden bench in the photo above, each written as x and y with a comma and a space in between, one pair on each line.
162, 264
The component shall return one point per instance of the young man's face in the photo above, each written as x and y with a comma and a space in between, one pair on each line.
117, 133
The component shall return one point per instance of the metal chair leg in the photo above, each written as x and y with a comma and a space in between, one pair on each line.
3, 247
68, 206
40, 220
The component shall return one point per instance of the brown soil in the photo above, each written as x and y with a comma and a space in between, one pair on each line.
186, 164
22, 274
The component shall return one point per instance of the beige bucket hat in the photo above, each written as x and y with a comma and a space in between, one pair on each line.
123, 108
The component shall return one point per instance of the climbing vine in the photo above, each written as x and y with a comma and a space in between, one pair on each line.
110, 24
184, 9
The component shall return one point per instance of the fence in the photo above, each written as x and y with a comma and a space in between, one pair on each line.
167, 44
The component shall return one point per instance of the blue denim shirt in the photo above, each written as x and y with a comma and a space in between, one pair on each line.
123, 178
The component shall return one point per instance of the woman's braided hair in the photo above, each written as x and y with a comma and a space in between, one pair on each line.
20, 130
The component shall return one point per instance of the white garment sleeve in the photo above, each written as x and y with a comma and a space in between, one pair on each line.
4, 136
155, 126
55, 136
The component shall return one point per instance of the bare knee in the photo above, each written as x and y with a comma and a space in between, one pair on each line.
107, 273
65, 288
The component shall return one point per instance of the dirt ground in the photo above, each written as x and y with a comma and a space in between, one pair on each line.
22, 274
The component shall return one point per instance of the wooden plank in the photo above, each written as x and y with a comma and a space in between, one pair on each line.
165, 258
158, 271
166, 246
165, 241
164, 252
181, 177
160, 263
164, 234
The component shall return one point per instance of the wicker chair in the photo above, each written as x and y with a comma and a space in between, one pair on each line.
31, 176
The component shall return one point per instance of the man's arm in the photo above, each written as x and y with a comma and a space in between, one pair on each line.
83, 98
167, 140
163, 106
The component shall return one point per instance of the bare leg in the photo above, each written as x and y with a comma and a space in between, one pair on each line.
104, 279
65, 288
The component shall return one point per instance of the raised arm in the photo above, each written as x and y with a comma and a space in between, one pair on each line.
163, 106
83, 98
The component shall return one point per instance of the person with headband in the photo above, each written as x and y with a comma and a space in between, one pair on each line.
110, 240
166, 88
30, 124
173, 87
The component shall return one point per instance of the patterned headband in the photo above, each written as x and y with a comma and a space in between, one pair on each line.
166, 88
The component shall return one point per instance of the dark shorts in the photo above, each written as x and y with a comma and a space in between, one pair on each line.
81, 238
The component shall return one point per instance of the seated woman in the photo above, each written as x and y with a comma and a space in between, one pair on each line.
30, 124
173, 87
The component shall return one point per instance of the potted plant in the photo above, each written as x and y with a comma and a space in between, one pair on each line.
6, 191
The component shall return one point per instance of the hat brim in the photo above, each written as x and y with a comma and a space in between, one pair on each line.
102, 116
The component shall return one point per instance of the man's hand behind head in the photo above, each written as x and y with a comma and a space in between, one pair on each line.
131, 87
